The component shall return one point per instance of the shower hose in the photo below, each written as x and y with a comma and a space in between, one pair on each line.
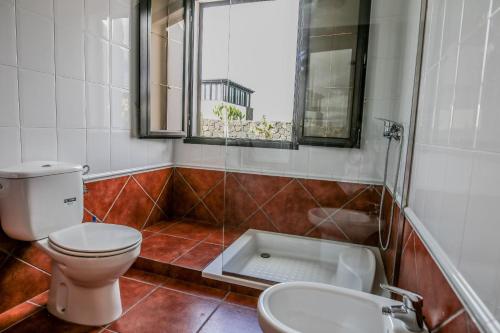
385, 245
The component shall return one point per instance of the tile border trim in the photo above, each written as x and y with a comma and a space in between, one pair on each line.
125, 172
481, 315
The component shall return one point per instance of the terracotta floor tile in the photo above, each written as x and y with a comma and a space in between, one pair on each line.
165, 248
232, 318
166, 311
41, 299
189, 230
199, 257
225, 236
193, 288
132, 291
243, 300
45, 322
16, 314
145, 277
20, 282
33, 255
146, 234
157, 227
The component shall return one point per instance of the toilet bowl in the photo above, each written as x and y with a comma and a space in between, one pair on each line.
87, 261
43, 202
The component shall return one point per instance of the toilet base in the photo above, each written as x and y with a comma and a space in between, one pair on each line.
85, 305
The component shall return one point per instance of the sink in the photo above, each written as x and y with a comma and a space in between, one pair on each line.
306, 307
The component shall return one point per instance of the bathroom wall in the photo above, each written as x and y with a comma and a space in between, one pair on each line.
419, 272
297, 206
136, 200
388, 94
65, 81
455, 179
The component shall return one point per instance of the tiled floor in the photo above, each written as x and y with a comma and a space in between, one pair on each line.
185, 244
155, 303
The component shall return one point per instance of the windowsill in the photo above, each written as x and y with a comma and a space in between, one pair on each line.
242, 142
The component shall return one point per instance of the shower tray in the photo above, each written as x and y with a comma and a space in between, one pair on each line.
258, 259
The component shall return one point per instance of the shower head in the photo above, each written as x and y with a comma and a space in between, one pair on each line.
392, 129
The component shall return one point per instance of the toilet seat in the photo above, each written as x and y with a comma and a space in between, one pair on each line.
95, 240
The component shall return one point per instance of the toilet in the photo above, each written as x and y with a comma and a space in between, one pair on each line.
43, 202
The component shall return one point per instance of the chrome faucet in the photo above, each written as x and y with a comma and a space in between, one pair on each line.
410, 312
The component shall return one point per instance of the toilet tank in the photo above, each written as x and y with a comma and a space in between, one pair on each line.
37, 198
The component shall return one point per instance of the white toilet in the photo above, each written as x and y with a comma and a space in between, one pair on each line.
43, 202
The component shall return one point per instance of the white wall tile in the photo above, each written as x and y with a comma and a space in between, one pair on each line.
139, 152
97, 17
476, 13
469, 77
69, 52
69, 13
120, 63
72, 145
480, 242
489, 117
8, 52
120, 109
35, 41
10, 146
299, 163
454, 185
320, 162
160, 151
69, 38
98, 106
70, 97
98, 150
96, 59
40, 7
39, 144
9, 109
120, 12
37, 99
213, 156
120, 149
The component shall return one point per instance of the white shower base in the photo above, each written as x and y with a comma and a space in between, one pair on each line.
292, 258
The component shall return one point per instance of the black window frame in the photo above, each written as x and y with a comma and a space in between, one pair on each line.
301, 72
143, 85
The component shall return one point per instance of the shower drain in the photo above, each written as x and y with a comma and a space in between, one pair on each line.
265, 255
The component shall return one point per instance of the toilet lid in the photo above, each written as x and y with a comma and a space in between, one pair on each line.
95, 237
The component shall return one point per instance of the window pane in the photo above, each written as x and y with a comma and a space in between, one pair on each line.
166, 65
332, 39
246, 58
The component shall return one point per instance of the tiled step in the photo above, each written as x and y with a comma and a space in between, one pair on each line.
182, 249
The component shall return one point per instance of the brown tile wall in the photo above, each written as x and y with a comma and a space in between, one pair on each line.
136, 200
419, 272
316, 208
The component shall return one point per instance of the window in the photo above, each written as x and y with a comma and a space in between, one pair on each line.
277, 73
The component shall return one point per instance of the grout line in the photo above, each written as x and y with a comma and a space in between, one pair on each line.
407, 241
162, 286
448, 320
116, 199
106, 327
191, 188
33, 266
213, 312
23, 319
330, 217
18, 82
141, 281
260, 207
55, 81
164, 188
